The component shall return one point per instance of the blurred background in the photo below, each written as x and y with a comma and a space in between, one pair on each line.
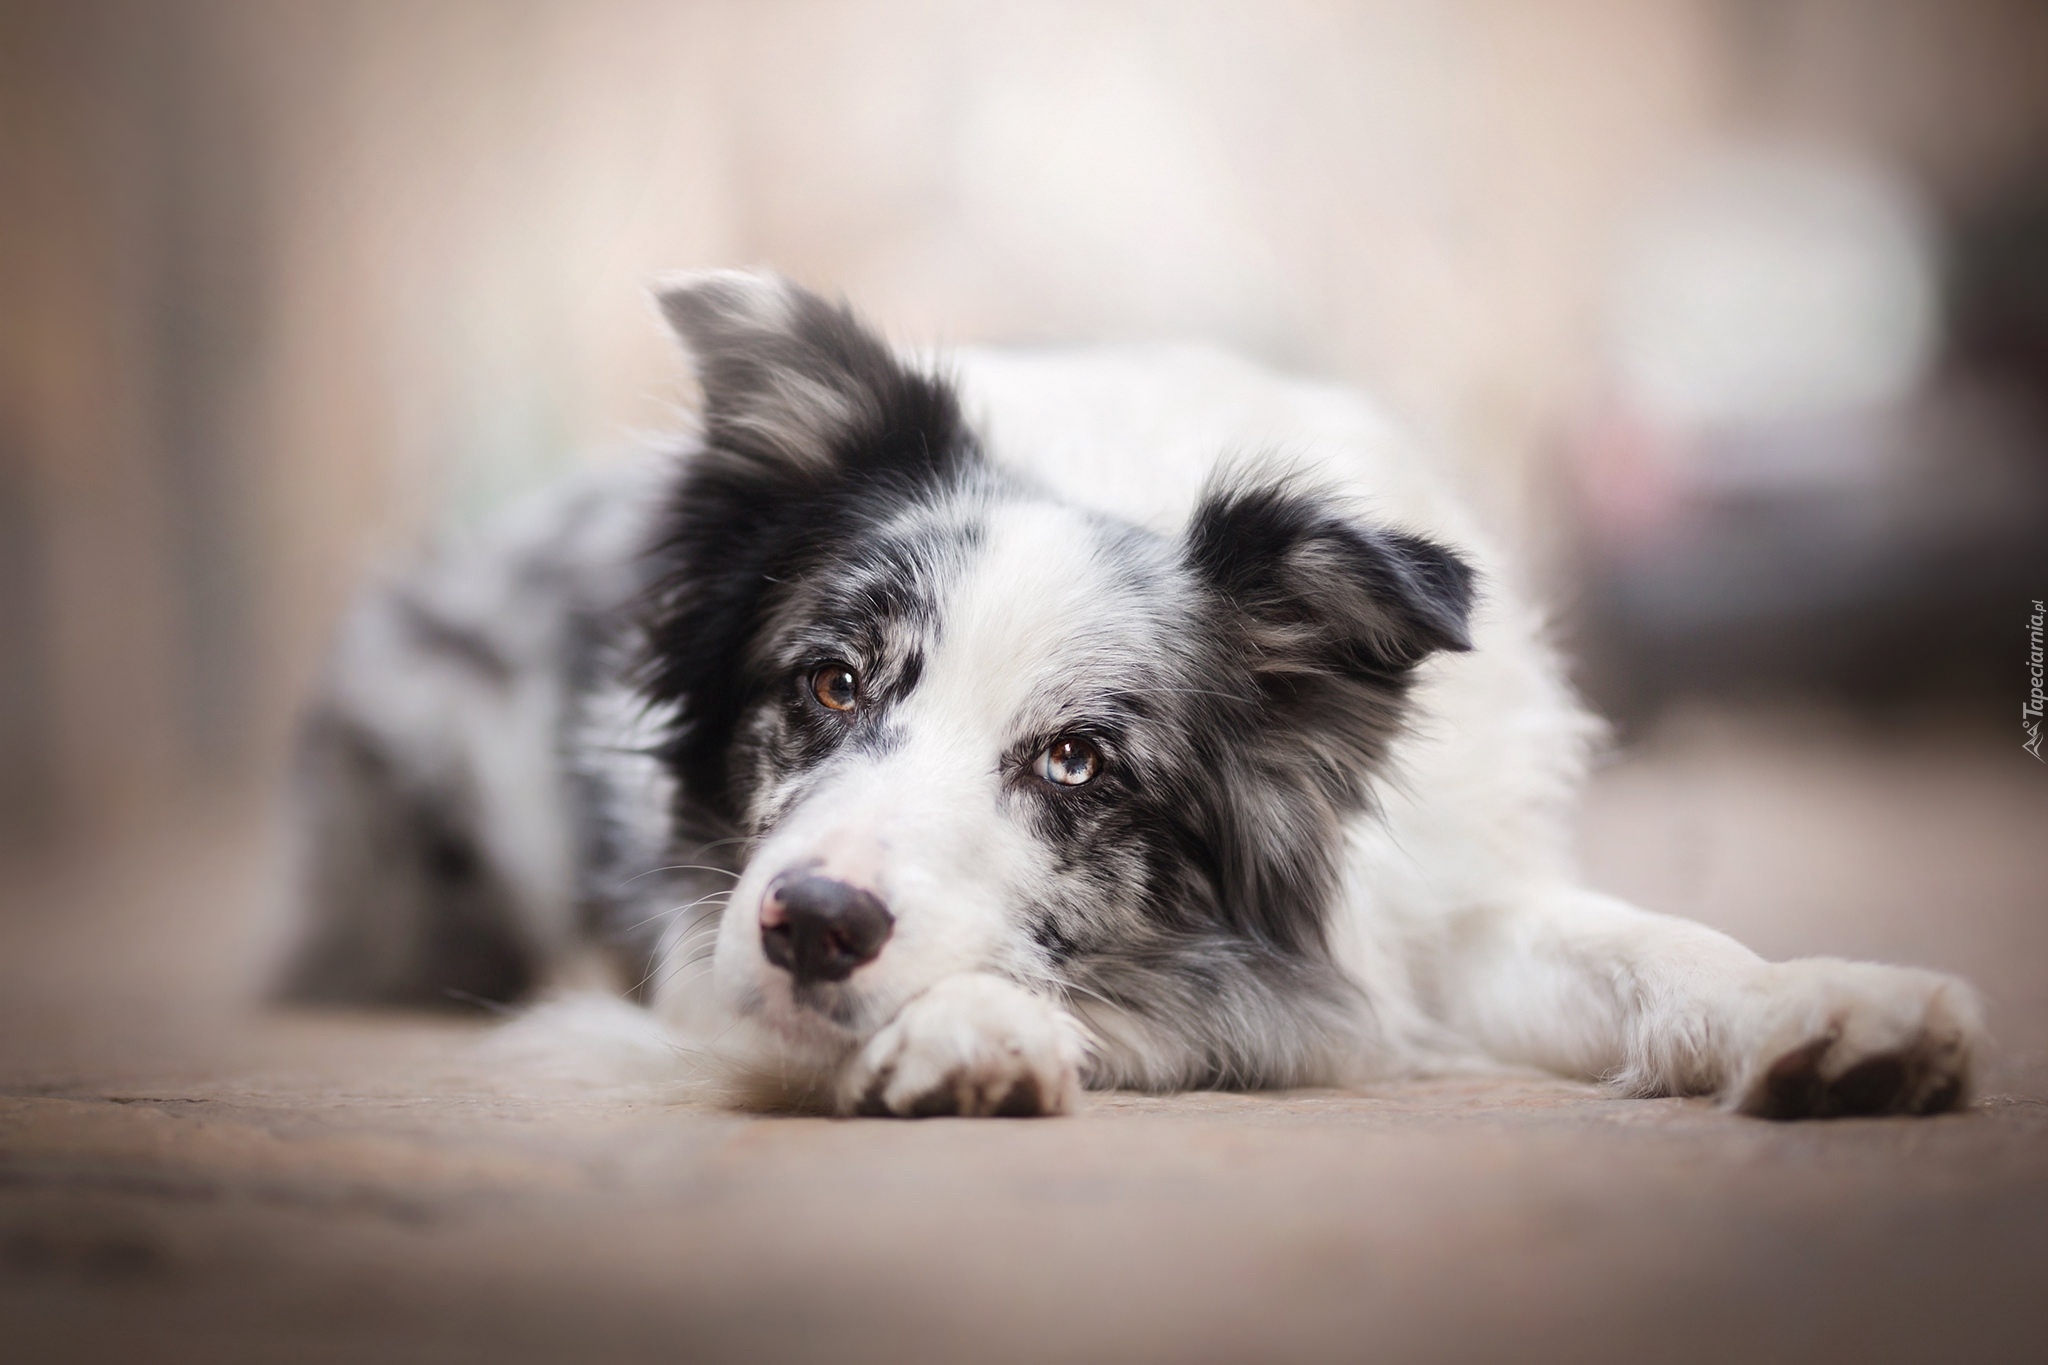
1732, 314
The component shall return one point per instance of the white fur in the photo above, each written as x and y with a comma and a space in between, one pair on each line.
973, 1038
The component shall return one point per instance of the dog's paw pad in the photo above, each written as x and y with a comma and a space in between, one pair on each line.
1847, 1039
1795, 1087
972, 1046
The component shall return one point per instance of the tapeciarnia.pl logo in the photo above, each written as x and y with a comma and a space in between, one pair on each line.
2030, 711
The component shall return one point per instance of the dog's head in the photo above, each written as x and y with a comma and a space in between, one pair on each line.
957, 724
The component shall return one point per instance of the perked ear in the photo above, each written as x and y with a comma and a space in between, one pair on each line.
1318, 593
795, 384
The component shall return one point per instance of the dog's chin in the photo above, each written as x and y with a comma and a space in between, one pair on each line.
816, 1024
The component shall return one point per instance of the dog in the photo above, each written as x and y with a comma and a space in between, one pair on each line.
923, 741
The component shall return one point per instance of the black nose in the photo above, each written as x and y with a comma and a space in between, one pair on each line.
817, 929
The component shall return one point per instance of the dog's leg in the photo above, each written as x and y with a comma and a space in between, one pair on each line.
973, 1044
1586, 985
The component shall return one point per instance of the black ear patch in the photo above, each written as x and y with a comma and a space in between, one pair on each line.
813, 432
1315, 592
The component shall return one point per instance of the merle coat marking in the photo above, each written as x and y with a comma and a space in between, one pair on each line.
925, 743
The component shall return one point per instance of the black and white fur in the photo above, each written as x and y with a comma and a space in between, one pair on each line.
1328, 762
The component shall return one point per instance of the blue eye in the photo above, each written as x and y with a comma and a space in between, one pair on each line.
1069, 761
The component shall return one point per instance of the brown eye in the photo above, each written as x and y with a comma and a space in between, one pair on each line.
835, 687
1069, 761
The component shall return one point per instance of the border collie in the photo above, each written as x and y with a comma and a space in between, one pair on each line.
947, 742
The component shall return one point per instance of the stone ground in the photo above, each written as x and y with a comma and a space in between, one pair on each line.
182, 1178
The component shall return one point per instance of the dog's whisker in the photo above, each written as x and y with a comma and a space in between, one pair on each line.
685, 867
717, 897
724, 843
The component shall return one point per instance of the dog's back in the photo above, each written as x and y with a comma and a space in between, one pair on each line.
436, 838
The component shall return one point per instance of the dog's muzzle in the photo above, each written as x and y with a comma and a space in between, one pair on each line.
819, 929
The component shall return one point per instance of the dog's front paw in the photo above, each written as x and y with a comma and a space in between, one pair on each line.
1829, 1038
971, 1045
